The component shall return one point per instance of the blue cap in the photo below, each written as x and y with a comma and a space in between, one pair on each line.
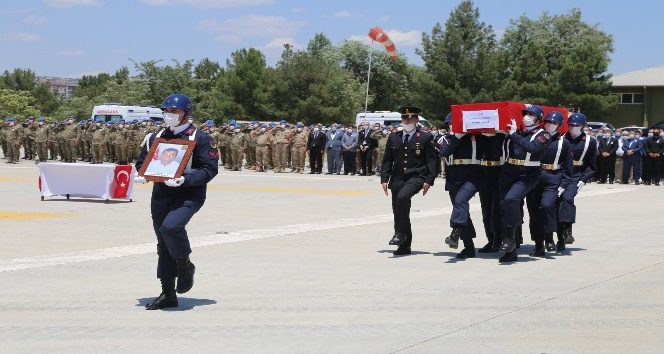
263, 125
299, 125
11, 119
232, 122
271, 124
40, 119
282, 121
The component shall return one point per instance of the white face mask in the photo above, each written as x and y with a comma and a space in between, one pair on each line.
384, 132
316, 129
171, 119
550, 127
528, 120
575, 131
299, 130
408, 127
262, 129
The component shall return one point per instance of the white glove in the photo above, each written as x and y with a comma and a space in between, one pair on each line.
512, 127
139, 179
579, 185
174, 182
459, 135
561, 190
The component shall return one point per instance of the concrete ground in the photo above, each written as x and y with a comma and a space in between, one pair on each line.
301, 264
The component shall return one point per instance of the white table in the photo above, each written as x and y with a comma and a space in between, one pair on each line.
83, 180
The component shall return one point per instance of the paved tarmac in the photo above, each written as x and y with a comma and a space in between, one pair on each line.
301, 264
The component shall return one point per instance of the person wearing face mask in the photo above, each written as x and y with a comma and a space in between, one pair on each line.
348, 150
299, 149
557, 169
367, 145
262, 150
316, 149
654, 148
333, 146
632, 158
520, 173
606, 158
463, 179
410, 164
41, 140
175, 201
584, 152
380, 136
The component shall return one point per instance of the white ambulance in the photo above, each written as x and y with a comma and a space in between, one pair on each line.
384, 118
113, 112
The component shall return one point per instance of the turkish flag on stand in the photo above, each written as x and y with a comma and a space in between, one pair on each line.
121, 180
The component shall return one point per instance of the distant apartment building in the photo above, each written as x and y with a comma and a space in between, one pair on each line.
63, 87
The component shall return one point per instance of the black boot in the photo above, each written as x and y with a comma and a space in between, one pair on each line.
509, 241
550, 244
509, 257
402, 250
538, 251
468, 250
186, 271
453, 239
567, 233
560, 245
167, 298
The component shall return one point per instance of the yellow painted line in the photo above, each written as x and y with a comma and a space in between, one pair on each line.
288, 190
26, 215
18, 179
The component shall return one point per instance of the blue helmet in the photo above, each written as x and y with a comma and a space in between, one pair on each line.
577, 119
40, 119
555, 117
536, 111
180, 101
448, 118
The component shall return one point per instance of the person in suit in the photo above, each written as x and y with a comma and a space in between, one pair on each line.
606, 158
367, 145
316, 149
654, 148
410, 164
632, 158
349, 149
333, 145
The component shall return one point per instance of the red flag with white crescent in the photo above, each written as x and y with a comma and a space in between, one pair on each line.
121, 180
155, 156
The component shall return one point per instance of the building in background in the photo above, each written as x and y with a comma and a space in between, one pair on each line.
63, 87
640, 98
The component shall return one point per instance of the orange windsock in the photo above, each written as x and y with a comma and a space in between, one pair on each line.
378, 35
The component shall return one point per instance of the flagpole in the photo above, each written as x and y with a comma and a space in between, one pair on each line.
366, 97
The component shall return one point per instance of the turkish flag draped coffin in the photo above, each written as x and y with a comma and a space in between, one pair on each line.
492, 116
121, 180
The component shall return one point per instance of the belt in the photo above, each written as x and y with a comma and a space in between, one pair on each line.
263, 145
465, 162
491, 163
578, 163
518, 162
550, 167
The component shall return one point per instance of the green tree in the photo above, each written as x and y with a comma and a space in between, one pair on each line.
460, 62
559, 61
247, 84
17, 103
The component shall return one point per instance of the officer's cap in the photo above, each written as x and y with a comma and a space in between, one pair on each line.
409, 112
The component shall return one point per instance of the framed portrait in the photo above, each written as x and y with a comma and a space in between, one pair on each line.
166, 159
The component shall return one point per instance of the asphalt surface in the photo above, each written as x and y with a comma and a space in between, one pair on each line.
301, 264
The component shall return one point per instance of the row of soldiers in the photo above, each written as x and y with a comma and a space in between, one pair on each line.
71, 141
275, 146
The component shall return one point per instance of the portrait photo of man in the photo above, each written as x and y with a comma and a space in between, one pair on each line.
166, 165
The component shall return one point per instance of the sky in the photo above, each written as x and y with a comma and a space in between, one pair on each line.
72, 38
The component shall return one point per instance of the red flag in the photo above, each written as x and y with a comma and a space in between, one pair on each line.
155, 156
121, 180
39, 183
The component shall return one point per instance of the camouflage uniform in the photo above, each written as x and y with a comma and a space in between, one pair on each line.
72, 138
29, 129
120, 144
99, 140
251, 150
42, 136
3, 138
13, 134
226, 139
262, 151
299, 150
380, 151
238, 144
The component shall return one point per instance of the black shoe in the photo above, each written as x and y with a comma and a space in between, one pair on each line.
352, 174
550, 246
328, 173
509, 241
509, 257
453, 239
560, 246
488, 248
398, 239
312, 172
466, 253
401, 251
610, 182
186, 271
538, 251
163, 301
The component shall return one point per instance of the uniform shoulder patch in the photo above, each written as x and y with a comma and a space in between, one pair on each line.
541, 139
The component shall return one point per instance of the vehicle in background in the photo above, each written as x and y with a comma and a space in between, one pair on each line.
385, 118
600, 125
631, 128
658, 125
113, 112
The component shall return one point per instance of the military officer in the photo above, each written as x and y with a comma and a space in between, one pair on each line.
99, 140
299, 148
29, 130
42, 134
584, 152
175, 201
463, 179
520, 174
409, 165
72, 138
13, 135
557, 169
238, 144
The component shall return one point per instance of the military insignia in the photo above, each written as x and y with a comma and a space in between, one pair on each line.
190, 130
213, 144
417, 134
214, 154
541, 139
